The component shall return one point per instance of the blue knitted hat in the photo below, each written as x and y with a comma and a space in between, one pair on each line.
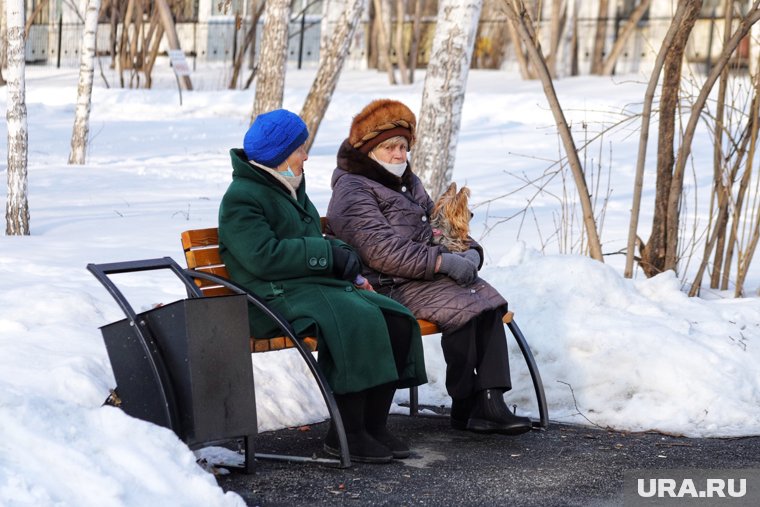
274, 136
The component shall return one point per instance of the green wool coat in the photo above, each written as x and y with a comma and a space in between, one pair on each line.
273, 245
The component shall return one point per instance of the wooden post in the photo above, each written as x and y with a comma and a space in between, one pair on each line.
171, 33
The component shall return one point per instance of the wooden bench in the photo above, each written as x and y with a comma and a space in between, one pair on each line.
201, 249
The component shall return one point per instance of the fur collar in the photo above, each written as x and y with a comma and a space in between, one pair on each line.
354, 161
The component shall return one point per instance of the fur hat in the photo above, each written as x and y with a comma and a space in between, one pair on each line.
380, 120
274, 136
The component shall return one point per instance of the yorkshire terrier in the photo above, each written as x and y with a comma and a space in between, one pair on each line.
451, 219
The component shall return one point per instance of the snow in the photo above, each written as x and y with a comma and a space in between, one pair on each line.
631, 355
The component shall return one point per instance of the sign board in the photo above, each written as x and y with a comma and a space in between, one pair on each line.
178, 61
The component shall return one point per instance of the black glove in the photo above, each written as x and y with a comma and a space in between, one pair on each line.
461, 270
346, 264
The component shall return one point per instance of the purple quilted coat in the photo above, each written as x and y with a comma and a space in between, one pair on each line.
386, 219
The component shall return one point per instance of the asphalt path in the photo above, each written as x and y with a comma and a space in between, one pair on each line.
561, 466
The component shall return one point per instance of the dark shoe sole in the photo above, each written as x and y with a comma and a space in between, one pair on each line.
398, 448
486, 426
401, 454
359, 459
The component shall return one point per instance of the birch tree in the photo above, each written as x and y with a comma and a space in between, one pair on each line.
443, 92
270, 83
332, 55
3, 42
84, 90
17, 205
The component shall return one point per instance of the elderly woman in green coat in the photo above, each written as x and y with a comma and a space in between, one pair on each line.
271, 241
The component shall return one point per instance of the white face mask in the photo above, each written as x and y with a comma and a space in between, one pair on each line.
295, 181
395, 169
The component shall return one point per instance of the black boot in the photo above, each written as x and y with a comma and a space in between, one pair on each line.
379, 401
361, 446
491, 415
460, 412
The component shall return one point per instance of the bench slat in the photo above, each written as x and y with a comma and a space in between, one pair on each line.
202, 257
216, 290
200, 237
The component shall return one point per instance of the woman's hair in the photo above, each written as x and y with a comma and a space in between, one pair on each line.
392, 142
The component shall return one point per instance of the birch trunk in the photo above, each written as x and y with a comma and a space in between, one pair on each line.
84, 90
332, 55
3, 42
443, 93
270, 83
17, 205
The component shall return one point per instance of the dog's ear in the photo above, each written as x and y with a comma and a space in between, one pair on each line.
464, 192
446, 197
451, 191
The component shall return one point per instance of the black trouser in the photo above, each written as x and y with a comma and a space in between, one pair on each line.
400, 333
368, 409
476, 356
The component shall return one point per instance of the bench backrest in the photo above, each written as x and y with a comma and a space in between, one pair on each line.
201, 247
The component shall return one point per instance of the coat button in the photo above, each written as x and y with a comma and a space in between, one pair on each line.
313, 261
307, 220
403, 189
424, 218
349, 289
473, 291
322, 261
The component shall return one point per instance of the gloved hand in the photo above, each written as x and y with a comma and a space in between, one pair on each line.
458, 268
471, 255
346, 264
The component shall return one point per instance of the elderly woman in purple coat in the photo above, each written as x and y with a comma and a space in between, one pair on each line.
380, 208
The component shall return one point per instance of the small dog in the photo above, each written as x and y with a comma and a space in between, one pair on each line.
451, 219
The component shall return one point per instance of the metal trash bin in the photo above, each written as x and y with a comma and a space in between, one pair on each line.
187, 367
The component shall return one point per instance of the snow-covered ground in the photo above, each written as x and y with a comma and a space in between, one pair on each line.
628, 354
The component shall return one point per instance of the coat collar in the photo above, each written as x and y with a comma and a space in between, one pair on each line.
354, 161
241, 168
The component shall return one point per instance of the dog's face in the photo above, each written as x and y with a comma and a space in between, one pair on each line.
452, 217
